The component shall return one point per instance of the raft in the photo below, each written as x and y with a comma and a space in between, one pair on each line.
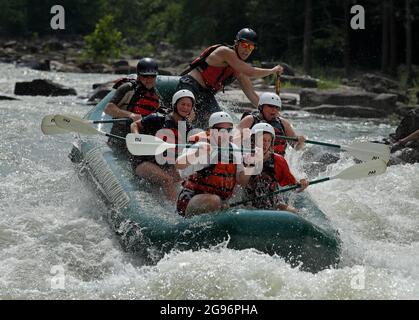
307, 241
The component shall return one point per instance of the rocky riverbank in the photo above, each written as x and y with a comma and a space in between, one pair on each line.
369, 95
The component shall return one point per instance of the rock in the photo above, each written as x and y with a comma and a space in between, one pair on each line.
314, 98
403, 109
120, 63
347, 111
29, 61
2, 97
378, 84
406, 155
401, 96
42, 87
10, 44
61, 67
53, 46
342, 97
90, 67
100, 91
108, 85
316, 159
289, 99
386, 102
408, 125
303, 81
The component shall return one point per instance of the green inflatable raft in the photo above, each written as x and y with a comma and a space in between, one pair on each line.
307, 240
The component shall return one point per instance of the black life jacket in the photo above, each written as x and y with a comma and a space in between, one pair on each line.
279, 144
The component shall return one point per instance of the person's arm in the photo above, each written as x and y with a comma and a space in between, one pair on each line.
113, 109
248, 89
136, 127
233, 61
410, 137
290, 132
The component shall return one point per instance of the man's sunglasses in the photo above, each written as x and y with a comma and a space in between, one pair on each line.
247, 45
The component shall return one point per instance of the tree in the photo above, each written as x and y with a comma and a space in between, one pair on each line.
346, 46
393, 40
385, 37
105, 42
308, 31
408, 42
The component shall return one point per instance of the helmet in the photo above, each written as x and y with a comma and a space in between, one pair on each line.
147, 67
219, 117
182, 94
248, 35
263, 127
271, 99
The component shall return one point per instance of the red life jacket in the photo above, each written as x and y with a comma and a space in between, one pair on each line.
215, 78
275, 172
219, 179
144, 101
279, 144
282, 172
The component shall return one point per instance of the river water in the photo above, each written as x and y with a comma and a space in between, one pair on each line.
54, 243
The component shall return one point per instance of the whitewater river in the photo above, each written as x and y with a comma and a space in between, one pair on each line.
54, 243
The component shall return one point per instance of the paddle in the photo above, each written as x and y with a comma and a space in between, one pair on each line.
363, 170
74, 124
49, 127
146, 145
278, 84
363, 151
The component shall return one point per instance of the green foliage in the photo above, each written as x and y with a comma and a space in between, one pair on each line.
196, 23
105, 42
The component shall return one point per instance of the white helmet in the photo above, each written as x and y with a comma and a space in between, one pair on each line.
263, 127
219, 117
271, 99
182, 94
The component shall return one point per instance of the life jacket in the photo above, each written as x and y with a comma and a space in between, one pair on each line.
279, 144
215, 78
219, 179
275, 173
277, 167
170, 124
143, 101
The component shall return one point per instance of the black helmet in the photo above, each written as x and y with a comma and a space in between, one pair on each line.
248, 35
147, 67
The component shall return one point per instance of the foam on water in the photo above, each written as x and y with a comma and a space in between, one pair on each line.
49, 218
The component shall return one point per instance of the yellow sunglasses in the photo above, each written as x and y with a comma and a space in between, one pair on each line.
247, 45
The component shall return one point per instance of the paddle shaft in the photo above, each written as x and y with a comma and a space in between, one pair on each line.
278, 84
312, 142
110, 120
293, 187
